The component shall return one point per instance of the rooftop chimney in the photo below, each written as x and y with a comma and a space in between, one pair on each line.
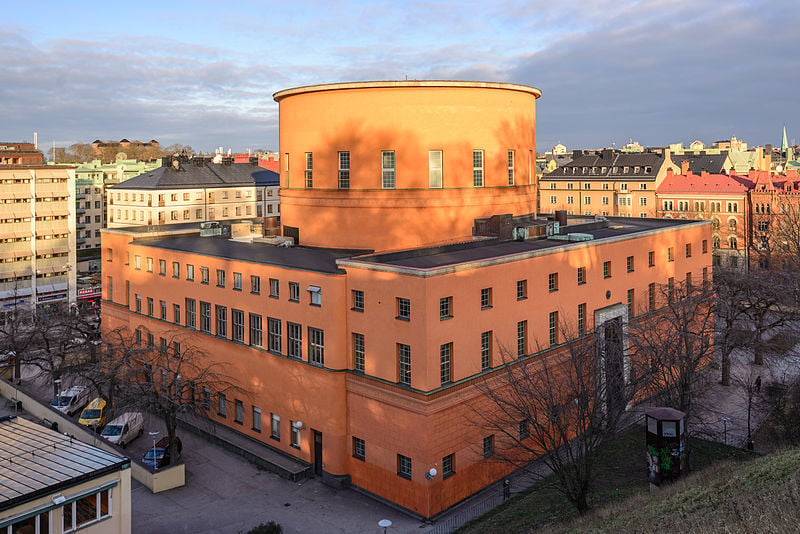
685, 167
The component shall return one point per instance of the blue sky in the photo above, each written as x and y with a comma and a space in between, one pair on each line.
203, 73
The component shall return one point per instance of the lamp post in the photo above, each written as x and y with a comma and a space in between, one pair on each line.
155, 460
384, 524
57, 382
725, 421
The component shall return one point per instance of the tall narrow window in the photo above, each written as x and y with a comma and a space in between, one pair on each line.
631, 303
237, 320
522, 338
581, 275
486, 350
358, 352
255, 330
387, 169
274, 326
309, 170
435, 169
510, 167
522, 289
404, 364
316, 346
190, 313
445, 363
553, 323
651, 296
286, 166
477, 168
205, 316
295, 332
581, 319
344, 170
222, 321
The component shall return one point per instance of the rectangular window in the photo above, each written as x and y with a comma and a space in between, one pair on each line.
445, 363
651, 259
223, 405
220, 278
275, 427
643, 201
149, 265
404, 466
190, 312
358, 300
486, 350
315, 295
651, 296
162, 267
629, 264
445, 308
176, 313
553, 325
294, 292
256, 419
239, 412
205, 316
163, 346
359, 449
222, 321
510, 167
294, 435
705, 246
705, 278
552, 282
138, 300
587, 200
309, 170
274, 326
176, 269
477, 168
190, 272
522, 289
435, 171
255, 284
295, 332
150, 306
203, 275
255, 330
606, 269
358, 352
403, 309
581, 319
486, 298
670, 254
137, 262
237, 281
404, 364
553, 199
387, 169
581, 275
163, 305
274, 288
344, 170
237, 320
488, 446
522, 338
688, 250
316, 346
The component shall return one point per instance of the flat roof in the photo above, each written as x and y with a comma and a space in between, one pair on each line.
498, 251
321, 260
391, 84
37, 461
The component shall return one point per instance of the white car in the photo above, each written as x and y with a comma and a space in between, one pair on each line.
72, 400
124, 428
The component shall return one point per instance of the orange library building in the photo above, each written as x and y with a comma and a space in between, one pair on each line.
411, 266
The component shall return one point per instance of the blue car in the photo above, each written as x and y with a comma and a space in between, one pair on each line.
158, 456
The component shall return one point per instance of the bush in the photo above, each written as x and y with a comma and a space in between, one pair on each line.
267, 528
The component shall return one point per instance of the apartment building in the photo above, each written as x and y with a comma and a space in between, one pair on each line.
360, 348
37, 235
187, 190
606, 182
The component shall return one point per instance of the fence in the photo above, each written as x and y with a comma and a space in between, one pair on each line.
462, 517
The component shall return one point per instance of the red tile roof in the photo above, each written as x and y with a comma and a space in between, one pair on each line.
704, 183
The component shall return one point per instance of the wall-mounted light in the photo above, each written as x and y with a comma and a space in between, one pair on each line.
58, 499
430, 474
298, 425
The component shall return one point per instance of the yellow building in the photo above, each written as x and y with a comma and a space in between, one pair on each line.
53, 483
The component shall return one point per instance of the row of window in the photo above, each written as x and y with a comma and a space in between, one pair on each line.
621, 201
699, 206
173, 197
388, 168
256, 416
77, 514
605, 186
624, 169
186, 214
315, 292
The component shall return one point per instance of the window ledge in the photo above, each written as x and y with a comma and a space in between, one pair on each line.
408, 319
361, 310
445, 317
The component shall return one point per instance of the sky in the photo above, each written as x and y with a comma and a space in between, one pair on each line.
203, 73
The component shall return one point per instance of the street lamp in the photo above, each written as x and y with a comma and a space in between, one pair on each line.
57, 382
725, 420
384, 524
153, 434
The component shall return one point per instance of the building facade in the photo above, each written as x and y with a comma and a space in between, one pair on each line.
367, 364
38, 235
606, 182
194, 190
20, 154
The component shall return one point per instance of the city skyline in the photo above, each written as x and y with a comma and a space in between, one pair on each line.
655, 72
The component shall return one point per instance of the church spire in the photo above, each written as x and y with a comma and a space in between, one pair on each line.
784, 140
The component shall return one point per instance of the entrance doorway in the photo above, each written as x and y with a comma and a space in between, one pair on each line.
317, 452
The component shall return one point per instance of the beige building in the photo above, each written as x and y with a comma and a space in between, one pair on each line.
606, 182
195, 190
53, 483
37, 235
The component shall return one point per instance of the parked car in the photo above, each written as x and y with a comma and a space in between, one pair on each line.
124, 429
158, 456
72, 400
95, 414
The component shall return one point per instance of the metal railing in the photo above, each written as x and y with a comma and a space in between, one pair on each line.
462, 517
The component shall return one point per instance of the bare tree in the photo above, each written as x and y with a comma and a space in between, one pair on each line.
17, 337
769, 303
677, 340
171, 379
559, 407
731, 287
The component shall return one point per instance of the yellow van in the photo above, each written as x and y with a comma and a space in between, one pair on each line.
95, 415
